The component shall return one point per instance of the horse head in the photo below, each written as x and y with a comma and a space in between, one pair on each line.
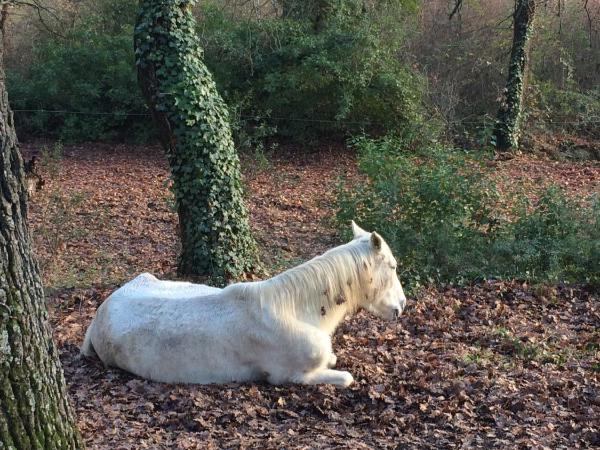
383, 294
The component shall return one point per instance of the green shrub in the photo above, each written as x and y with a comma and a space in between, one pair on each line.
557, 240
90, 71
565, 110
342, 79
438, 211
433, 207
277, 76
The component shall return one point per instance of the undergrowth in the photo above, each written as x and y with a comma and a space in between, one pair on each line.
83, 85
439, 211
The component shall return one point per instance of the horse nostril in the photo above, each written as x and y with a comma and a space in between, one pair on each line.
396, 313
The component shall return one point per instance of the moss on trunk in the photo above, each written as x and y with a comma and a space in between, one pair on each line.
34, 409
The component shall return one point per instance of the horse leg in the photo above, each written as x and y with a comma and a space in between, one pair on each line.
280, 375
307, 359
332, 360
326, 376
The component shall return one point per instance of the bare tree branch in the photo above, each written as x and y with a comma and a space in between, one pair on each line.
39, 8
589, 18
457, 8
3, 16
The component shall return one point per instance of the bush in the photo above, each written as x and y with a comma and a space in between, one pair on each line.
431, 206
565, 110
276, 75
342, 79
554, 240
437, 210
282, 76
91, 71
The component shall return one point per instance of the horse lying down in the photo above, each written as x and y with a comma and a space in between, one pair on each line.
278, 329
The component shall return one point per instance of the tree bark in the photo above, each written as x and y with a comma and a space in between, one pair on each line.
322, 9
34, 407
508, 123
194, 129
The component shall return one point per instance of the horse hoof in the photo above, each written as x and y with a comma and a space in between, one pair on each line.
346, 379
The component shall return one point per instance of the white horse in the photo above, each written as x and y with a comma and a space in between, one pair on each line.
279, 329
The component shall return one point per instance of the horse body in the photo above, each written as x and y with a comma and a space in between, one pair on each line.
279, 329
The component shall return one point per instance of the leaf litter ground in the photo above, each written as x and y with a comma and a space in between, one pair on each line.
497, 365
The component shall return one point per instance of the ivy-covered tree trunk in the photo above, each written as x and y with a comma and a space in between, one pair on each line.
34, 407
193, 125
508, 123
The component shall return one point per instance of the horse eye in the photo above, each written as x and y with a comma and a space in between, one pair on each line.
393, 266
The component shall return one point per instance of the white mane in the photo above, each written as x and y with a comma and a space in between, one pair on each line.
325, 281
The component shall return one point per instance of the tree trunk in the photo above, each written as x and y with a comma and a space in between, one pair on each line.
508, 124
322, 9
193, 126
34, 408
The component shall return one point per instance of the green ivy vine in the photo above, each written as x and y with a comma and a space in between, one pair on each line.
193, 125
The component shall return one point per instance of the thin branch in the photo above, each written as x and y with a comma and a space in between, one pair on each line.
511, 16
559, 14
39, 8
3, 17
457, 7
47, 27
589, 17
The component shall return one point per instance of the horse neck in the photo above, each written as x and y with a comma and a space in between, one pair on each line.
321, 291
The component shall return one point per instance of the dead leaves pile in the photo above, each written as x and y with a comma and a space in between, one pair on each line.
498, 365
492, 366
531, 175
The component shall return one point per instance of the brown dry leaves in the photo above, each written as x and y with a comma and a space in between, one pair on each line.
535, 173
499, 365
105, 217
452, 372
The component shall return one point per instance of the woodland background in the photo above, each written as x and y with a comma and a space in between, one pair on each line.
384, 113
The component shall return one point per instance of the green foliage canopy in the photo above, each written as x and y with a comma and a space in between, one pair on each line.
274, 73
90, 71
346, 77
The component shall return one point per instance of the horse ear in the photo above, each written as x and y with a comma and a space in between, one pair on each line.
357, 231
376, 240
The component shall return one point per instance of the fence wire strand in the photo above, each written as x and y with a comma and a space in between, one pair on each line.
267, 118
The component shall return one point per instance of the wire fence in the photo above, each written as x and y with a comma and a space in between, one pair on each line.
592, 120
85, 113
121, 114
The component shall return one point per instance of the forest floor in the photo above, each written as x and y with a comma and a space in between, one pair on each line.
496, 365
